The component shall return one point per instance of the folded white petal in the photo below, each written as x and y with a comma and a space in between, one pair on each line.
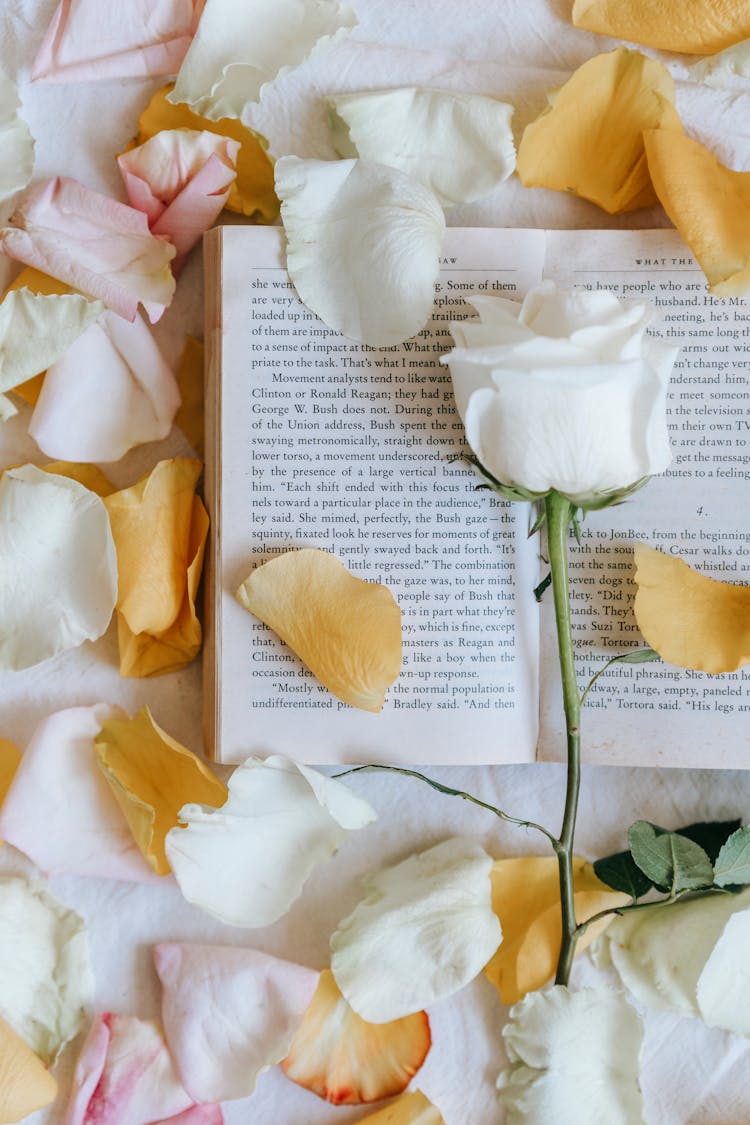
229, 1014
722, 69
45, 974
425, 929
58, 568
723, 991
247, 862
460, 146
363, 245
35, 330
16, 142
239, 48
111, 391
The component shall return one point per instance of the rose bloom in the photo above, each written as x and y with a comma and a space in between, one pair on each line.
565, 391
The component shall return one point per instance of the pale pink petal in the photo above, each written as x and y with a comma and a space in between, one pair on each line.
110, 391
94, 244
197, 1115
229, 1014
60, 810
90, 39
195, 209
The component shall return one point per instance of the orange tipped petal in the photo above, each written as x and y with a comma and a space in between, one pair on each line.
347, 1061
25, 1083
411, 1109
700, 27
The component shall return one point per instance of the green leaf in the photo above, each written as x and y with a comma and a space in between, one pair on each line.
621, 872
543, 585
733, 861
711, 835
640, 656
672, 862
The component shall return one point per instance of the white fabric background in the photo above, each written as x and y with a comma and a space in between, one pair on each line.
516, 49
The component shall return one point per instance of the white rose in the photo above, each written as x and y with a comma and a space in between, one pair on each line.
565, 391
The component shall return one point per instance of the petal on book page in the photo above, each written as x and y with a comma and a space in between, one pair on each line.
363, 245
347, 631
699, 28
25, 1084
16, 142
411, 1109
37, 329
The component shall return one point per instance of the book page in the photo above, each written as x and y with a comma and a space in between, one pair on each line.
332, 444
657, 714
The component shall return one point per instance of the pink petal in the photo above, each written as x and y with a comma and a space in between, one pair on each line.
93, 243
195, 209
197, 1115
89, 39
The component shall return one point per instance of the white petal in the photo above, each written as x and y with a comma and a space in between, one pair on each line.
363, 245
239, 48
723, 991
460, 146
111, 391
720, 70
60, 811
575, 1057
7, 409
45, 975
247, 862
16, 142
58, 568
229, 1014
425, 929
35, 330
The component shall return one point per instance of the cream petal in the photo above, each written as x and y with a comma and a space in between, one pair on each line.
363, 245
723, 991
7, 409
36, 330
720, 70
246, 863
425, 929
16, 142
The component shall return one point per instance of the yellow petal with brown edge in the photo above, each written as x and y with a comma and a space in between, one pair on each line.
25, 1083
589, 141
252, 194
700, 27
152, 776
410, 1109
689, 619
526, 899
36, 282
708, 203
190, 381
347, 631
347, 1061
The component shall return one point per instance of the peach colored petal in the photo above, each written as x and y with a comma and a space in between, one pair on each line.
589, 140
411, 1109
190, 416
88, 475
701, 27
25, 1084
152, 776
346, 630
10, 758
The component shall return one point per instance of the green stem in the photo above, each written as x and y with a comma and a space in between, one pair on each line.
559, 511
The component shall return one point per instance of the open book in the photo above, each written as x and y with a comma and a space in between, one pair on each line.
314, 440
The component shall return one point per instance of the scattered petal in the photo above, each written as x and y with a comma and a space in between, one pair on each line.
699, 28
45, 974
87, 40
363, 245
10, 758
16, 142
152, 777
35, 330
425, 929
236, 52
229, 1014
58, 570
589, 140
460, 146
574, 1057
88, 475
35, 282
25, 1084
347, 631
110, 391
94, 244
526, 899
347, 1061
723, 991
190, 417
719, 70
197, 1115
411, 1109
159, 527
708, 203
252, 193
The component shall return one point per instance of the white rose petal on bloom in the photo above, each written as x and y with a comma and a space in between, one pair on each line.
36, 330
460, 146
425, 929
564, 391
58, 568
363, 245
16, 142
574, 1059
247, 862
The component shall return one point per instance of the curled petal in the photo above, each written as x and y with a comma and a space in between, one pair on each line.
16, 142
363, 245
590, 139
88, 475
410, 1109
229, 1014
25, 1084
58, 570
347, 1061
36, 330
190, 382
721, 69
247, 862
425, 929
699, 28
347, 631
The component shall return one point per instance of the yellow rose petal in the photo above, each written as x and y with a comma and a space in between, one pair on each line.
347, 631
25, 1083
190, 381
526, 899
700, 27
708, 203
152, 777
252, 193
36, 282
10, 756
590, 139
87, 475
691, 620
411, 1109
